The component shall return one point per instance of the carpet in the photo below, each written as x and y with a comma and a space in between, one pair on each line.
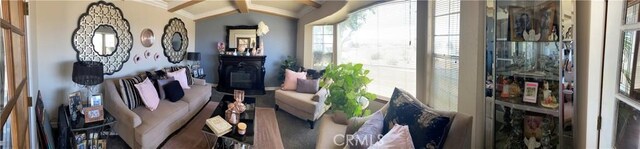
191, 136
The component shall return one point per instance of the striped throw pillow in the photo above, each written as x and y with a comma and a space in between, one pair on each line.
130, 95
176, 68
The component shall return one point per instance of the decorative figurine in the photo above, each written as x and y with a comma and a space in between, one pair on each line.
546, 92
505, 88
235, 52
221, 47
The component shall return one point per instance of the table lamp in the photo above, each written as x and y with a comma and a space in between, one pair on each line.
194, 64
87, 74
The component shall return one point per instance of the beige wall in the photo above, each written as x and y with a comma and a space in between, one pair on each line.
50, 28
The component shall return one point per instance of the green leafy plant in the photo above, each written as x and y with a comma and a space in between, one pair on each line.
347, 83
290, 63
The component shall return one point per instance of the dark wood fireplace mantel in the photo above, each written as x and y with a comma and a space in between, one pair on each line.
241, 73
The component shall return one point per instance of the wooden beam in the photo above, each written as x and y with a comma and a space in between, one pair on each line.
242, 6
310, 3
184, 4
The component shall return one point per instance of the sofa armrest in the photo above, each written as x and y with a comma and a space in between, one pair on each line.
354, 123
197, 81
321, 95
113, 103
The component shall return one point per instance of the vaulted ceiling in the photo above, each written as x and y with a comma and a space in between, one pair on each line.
200, 9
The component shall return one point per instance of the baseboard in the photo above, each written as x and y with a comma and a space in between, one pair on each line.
271, 88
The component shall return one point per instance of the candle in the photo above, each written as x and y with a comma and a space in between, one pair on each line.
242, 128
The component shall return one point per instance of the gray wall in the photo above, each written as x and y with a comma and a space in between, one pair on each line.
51, 24
279, 43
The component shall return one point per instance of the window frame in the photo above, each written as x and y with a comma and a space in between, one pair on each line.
431, 52
323, 44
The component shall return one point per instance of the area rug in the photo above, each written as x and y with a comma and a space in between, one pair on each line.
267, 132
191, 135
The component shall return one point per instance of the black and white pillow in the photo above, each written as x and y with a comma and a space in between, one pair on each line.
130, 95
188, 72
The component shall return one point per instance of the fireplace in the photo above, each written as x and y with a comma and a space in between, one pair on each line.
241, 73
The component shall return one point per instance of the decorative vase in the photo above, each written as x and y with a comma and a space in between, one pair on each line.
235, 52
242, 48
339, 117
232, 116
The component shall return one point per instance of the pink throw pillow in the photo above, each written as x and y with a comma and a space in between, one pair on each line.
181, 76
148, 94
291, 79
397, 137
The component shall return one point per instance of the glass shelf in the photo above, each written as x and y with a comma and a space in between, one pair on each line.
526, 106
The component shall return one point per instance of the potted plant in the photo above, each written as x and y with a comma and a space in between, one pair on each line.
347, 85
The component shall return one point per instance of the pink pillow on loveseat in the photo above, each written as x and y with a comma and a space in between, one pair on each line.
148, 94
180, 76
291, 79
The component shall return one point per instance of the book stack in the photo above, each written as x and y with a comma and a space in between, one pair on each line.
218, 125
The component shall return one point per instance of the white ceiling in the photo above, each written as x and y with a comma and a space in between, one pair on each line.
197, 9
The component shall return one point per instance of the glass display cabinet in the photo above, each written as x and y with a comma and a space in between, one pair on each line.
530, 74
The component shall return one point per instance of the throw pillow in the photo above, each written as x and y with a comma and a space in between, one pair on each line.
180, 76
291, 79
173, 91
398, 137
128, 92
307, 86
404, 109
155, 76
148, 93
368, 134
161, 84
188, 72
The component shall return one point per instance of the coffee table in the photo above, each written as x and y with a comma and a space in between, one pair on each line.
232, 139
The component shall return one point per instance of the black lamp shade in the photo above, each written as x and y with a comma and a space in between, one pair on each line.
88, 73
193, 56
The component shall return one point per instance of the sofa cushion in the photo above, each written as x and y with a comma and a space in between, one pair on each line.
129, 93
155, 124
187, 72
368, 134
398, 137
291, 79
148, 93
404, 109
161, 83
302, 101
307, 86
173, 91
197, 96
181, 76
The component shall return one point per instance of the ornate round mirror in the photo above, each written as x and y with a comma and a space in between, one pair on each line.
176, 41
147, 38
105, 40
103, 35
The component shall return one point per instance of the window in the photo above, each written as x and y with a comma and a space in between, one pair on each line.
444, 84
382, 38
322, 46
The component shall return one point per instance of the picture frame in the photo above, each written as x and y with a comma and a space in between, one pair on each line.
520, 21
530, 92
546, 19
82, 145
93, 114
101, 144
95, 100
75, 102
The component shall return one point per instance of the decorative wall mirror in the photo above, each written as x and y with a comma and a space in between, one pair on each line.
242, 36
175, 40
103, 35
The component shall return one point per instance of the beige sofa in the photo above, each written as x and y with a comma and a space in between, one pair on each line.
331, 135
142, 128
302, 105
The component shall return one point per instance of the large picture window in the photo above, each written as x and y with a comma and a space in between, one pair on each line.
322, 46
446, 49
382, 38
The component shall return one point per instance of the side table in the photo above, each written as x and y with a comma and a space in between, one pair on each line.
93, 135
